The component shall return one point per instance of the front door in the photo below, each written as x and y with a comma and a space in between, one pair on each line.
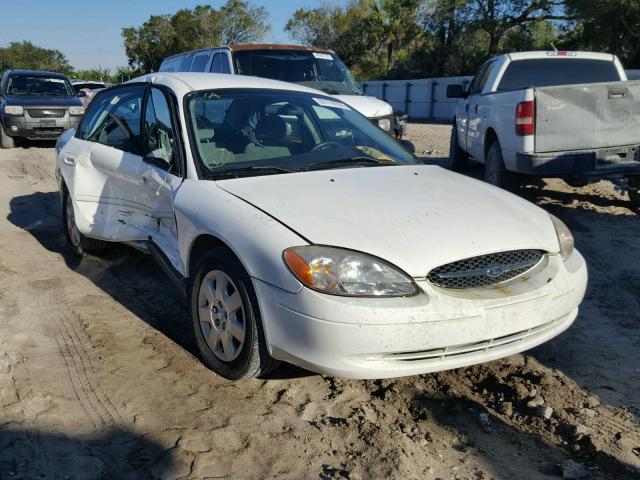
126, 168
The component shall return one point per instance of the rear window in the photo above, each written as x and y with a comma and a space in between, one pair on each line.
544, 72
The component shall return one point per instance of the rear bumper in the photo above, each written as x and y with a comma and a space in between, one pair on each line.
49, 129
592, 163
434, 330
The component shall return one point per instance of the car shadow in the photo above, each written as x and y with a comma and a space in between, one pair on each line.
111, 453
130, 277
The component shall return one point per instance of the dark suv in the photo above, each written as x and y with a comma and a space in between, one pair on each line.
36, 105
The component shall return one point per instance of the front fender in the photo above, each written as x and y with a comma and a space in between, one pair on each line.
202, 208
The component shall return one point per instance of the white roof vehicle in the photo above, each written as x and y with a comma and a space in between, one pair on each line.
309, 66
300, 232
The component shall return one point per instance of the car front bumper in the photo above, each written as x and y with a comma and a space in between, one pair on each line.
597, 162
432, 331
39, 129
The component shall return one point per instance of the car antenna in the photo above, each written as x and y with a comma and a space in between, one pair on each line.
554, 47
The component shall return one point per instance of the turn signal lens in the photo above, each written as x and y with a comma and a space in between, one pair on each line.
344, 272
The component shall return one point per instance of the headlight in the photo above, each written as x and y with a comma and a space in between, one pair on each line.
76, 110
385, 124
13, 110
344, 272
565, 239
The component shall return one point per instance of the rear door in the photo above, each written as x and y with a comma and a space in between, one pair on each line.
463, 110
475, 126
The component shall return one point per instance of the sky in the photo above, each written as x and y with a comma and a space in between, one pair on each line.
89, 33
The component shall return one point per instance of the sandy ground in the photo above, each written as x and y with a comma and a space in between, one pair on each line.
98, 378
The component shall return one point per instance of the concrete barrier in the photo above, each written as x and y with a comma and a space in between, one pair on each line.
426, 98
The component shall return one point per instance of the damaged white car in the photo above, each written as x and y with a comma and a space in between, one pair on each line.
300, 232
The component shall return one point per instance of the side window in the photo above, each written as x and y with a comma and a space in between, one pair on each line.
186, 63
159, 135
473, 87
200, 62
485, 77
114, 119
220, 63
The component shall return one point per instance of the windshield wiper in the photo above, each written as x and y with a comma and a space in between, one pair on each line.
347, 162
239, 171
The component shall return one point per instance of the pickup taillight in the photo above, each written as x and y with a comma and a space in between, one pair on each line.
525, 118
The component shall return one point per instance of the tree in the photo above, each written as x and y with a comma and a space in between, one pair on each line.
26, 55
497, 17
163, 35
609, 25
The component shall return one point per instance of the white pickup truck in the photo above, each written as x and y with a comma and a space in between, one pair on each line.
572, 115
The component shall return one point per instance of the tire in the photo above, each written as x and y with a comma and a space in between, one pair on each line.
634, 197
5, 140
80, 244
458, 159
495, 172
226, 318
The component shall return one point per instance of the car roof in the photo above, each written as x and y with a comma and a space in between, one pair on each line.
561, 54
253, 46
184, 82
35, 72
275, 46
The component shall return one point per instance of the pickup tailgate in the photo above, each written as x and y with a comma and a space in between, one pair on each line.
587, 116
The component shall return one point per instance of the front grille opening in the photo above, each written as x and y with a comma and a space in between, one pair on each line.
485, 270
46, 113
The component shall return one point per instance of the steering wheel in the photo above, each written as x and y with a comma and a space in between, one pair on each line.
326, 144
122, 126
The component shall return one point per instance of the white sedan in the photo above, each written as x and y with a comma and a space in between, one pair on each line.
300, 232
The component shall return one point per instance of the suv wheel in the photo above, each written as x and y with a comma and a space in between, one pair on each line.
5, 140
79, 243
226, 318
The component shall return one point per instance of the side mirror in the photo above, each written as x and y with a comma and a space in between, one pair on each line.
456, 91
81, 94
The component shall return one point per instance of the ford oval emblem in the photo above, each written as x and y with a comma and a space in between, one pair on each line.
494, 272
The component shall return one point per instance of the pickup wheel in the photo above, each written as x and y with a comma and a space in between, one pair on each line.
5, 140
79, 243
495, 172
226, 318
458, 160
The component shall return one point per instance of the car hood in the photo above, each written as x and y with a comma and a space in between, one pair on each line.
416, 217
38, 101
368, 106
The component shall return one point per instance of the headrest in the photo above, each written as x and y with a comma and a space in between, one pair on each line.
270, 128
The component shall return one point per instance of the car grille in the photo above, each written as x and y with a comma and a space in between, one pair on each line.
485, 270
46, 113
469, 349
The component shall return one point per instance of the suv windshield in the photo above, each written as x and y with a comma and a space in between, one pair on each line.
321, 70
546, 72
43, 85
248, 132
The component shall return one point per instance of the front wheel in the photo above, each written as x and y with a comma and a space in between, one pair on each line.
79, 243
458, 160
495, 171
5, 140
226, 318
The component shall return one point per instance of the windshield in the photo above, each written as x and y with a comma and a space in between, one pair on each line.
545, 72
320, 70
51, 86
247, 132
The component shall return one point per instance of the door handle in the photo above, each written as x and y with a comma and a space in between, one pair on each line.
69, 160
